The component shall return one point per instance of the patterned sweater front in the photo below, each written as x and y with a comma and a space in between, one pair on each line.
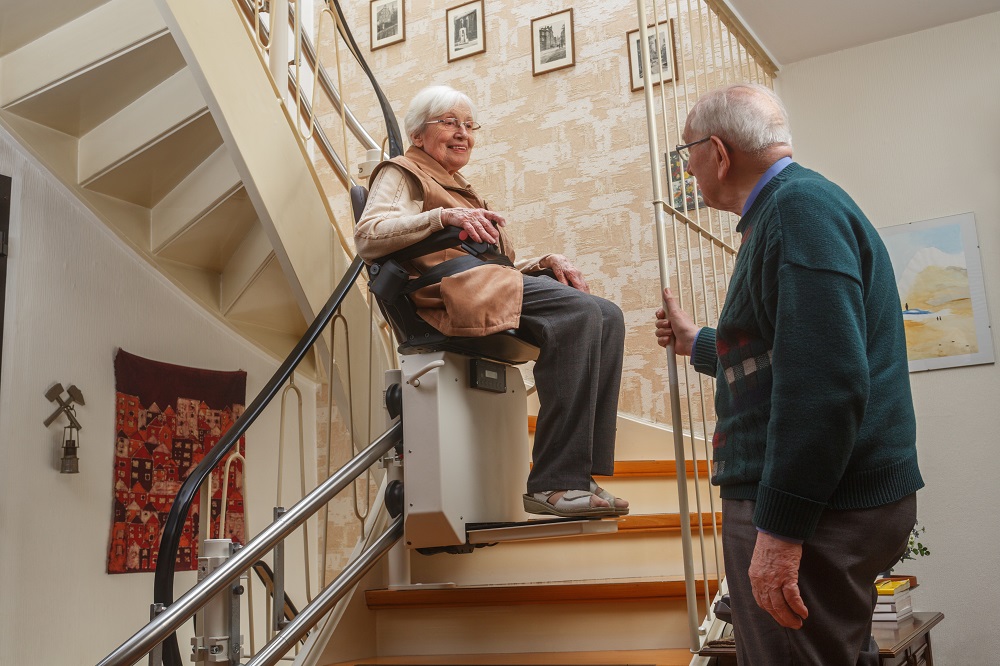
813, 397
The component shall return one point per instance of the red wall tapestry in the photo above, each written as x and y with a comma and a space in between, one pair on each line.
167, 418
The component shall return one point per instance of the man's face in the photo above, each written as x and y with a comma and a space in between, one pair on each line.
702, 164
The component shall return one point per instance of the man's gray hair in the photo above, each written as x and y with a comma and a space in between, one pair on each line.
748, 116
432, 101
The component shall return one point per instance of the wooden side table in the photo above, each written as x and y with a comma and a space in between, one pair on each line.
908, 642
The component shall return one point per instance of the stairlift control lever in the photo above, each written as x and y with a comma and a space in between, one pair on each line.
414, 379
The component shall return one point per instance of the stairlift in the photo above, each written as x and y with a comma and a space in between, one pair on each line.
460, 471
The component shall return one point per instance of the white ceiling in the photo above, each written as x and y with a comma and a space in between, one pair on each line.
793, 30
790, 30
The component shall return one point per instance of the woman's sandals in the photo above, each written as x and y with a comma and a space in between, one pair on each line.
574, 504
617, 504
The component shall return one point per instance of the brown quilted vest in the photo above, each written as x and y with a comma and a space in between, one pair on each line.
480, 301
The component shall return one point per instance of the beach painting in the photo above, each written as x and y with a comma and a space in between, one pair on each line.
941, 292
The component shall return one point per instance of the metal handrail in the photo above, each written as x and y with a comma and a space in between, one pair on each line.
163, 625
163, 584
311, 615
357, 129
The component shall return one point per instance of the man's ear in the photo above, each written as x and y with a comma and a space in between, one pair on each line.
723, 159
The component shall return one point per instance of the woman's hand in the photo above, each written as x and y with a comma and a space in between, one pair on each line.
565, 271
673, 325
477, 222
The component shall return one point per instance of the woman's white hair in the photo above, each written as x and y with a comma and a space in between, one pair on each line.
432, 101
748, 116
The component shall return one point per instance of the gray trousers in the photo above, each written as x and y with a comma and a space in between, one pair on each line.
836, 575
578, 375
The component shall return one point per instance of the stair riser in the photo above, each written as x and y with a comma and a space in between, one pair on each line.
648, 555
659, 495
550, 628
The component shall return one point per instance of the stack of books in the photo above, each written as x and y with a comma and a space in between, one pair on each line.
894, 601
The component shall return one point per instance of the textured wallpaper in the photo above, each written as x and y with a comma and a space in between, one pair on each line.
563, 156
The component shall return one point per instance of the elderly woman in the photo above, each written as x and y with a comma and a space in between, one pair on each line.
581, 336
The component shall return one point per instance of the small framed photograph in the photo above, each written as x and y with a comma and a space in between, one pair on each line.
388, 23
662, 55
466, 30
686, 195
552, 42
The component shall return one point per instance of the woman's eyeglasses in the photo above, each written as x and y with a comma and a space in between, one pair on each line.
454, 123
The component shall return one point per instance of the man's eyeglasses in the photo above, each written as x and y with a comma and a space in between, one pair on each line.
685, 150
453, 124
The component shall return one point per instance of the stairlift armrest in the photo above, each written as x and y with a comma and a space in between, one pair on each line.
448, 237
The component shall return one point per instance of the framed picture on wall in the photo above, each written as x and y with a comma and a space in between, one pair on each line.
685, 193
942, 292
662, 55
465, 30
388, 23
552, 42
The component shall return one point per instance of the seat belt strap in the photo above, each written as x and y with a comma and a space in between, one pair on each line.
436, 273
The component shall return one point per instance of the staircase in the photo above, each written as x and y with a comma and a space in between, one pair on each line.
605, 592
160, 117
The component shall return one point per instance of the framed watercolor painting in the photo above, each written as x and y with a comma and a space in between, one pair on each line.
941, 292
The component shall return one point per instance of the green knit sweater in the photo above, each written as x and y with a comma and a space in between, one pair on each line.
813, 393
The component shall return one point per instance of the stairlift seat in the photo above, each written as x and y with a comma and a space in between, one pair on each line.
415, 335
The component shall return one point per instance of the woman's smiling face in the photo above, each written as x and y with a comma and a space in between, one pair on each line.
450, 147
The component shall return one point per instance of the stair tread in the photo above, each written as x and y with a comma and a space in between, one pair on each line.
658, 522
653, 468
663, 589
664, 657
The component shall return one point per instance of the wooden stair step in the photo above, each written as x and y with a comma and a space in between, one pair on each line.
638, 469
663, 522
523, 595
631, 469
654, 469
668, 657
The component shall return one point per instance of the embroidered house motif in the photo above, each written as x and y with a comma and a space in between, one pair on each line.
157, 446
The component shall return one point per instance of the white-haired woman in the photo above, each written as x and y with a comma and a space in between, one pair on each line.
581, 336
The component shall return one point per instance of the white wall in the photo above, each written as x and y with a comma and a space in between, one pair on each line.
910, 127
75, 294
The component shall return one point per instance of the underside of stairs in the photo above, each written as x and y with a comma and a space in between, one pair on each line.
101, 93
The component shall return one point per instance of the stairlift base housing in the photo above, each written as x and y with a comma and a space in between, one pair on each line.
465, 449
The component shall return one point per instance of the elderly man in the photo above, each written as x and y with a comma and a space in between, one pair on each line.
814, 447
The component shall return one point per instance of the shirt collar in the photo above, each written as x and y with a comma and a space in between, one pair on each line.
772, 171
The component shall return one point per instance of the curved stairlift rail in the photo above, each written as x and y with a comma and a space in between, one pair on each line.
163, 584
169, 545
391, 126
